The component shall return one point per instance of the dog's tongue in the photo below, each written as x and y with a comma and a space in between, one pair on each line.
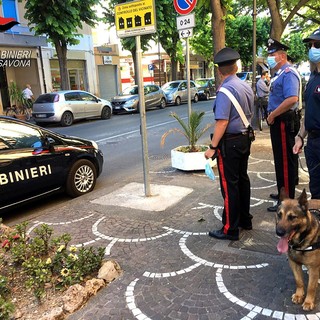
283, 245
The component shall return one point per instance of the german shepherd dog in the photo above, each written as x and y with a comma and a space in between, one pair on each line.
299, 229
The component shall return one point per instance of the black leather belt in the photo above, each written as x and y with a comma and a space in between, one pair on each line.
234, 135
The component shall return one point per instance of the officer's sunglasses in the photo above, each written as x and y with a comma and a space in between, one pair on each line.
314, 44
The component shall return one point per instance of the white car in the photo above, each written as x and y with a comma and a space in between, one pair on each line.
176, 92
66, 106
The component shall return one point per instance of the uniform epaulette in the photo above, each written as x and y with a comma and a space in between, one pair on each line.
287, 69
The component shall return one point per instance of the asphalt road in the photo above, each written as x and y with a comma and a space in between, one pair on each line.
120, 140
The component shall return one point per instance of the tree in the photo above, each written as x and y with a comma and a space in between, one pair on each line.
60, 20
167, 33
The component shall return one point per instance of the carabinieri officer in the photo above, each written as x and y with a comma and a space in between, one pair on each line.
283, 118
232, 143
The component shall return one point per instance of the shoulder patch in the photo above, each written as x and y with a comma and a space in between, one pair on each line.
287, 69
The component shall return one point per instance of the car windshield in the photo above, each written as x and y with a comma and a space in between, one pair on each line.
170, 85
201, 82
242, 75
46, 98
129, 91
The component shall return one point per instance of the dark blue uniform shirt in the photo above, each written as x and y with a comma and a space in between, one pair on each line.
312, 99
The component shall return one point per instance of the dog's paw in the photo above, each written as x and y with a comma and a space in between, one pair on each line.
297, 299
308, 306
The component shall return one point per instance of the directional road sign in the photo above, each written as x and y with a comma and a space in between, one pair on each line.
135, 18
185, 22
184, 6
186, 33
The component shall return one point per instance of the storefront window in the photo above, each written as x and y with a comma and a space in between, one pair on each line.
76, 75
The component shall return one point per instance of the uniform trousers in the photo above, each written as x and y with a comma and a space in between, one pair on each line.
282, 133
312, 153
233, 155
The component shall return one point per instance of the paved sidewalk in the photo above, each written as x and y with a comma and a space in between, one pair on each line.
172, 269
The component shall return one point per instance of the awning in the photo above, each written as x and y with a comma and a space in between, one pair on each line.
7, 23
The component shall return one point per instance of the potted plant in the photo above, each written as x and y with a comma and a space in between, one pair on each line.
17, 100
189, 157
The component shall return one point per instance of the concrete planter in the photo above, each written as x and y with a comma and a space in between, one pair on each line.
189, 161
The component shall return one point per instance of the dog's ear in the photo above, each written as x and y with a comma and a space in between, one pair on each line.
283, 195
303, 201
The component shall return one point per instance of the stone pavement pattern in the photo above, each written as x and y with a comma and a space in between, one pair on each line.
172, 269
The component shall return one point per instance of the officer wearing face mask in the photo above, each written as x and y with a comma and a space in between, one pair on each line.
283, 118
311, 125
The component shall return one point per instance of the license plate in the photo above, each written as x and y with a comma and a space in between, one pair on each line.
40, 115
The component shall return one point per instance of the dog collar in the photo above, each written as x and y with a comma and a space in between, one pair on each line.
313, 247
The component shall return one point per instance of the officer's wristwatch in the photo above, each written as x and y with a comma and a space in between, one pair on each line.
212, 147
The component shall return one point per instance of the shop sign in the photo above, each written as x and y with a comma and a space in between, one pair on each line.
15, 58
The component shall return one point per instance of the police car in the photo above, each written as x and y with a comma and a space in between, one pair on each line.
35, 162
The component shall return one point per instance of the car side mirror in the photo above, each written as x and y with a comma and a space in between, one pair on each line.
47, 143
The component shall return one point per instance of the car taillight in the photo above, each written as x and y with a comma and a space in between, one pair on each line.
56, 98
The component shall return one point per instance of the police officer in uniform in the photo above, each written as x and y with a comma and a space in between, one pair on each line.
283, 118
231, 144
311, 125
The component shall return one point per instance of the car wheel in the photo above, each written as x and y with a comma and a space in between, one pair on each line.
81, 178
66, 119
106, 113
196, 98
163, 103
177, 101
207, 96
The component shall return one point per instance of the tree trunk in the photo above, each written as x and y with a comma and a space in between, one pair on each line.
174, 68
278, 25
218, 31
61, 49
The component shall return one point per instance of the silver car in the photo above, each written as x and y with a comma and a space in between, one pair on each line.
176, 92
66, 106
128, 99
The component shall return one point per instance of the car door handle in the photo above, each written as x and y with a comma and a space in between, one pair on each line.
4, 163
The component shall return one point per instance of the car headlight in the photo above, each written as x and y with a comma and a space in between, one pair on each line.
131, 103
95, 145
201, 91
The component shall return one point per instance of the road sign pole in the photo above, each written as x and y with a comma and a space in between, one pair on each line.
143, 122
188, 77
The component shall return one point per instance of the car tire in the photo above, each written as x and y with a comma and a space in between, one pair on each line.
163, 103
196, 98
177, 102
207, 96
81, 178
106, 113
66, 119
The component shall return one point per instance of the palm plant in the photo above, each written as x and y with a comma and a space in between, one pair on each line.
16, 97
191, 130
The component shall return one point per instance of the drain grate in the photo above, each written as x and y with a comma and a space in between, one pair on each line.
159, 156
257, 241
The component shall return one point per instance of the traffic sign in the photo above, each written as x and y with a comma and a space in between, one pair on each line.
135, 18
185, 22
186, 33
184, 6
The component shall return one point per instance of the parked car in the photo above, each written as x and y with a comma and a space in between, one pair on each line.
176, 91
128, 99
246, 76
36, 162
67, 106
206, 88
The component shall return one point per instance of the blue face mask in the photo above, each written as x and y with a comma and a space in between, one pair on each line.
272, 62
314, 55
